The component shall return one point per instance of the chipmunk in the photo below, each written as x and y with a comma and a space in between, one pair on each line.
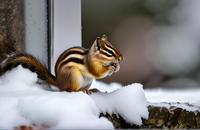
75, 68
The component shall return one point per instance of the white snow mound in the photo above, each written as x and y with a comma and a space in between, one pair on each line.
130, 102
24, 102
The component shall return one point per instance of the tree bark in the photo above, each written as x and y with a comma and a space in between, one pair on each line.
162, 117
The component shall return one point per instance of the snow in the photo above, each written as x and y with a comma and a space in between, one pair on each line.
24, 102
179, 98
103, 87
116, 102
182, 95
63, 110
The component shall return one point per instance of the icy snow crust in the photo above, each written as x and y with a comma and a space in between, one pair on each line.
25, 102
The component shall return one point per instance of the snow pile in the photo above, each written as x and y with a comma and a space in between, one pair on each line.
130, 102
23, 102
63, 110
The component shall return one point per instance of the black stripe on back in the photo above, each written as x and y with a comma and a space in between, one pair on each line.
75, 60
68, 52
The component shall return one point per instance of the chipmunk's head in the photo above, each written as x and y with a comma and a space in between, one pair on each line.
106, 53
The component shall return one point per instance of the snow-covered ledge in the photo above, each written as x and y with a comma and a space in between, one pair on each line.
167, 109
24, 102
164, 115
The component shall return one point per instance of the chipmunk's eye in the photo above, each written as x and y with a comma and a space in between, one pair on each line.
105, 52
110, 52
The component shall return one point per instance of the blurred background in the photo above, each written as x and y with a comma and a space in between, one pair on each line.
158, 38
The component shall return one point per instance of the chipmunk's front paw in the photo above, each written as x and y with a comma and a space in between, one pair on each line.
89, 91
94, 90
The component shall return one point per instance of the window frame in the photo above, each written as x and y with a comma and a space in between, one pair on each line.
65, 17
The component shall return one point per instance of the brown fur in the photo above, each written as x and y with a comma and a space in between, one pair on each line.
75, 68
30, 62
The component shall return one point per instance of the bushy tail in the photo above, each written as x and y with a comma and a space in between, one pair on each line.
30, 62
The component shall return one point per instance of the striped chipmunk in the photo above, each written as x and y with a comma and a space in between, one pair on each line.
75, 68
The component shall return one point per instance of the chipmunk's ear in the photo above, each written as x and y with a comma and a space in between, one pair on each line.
104, 37
97, 43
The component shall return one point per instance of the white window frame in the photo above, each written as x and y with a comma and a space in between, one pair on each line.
65, 27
